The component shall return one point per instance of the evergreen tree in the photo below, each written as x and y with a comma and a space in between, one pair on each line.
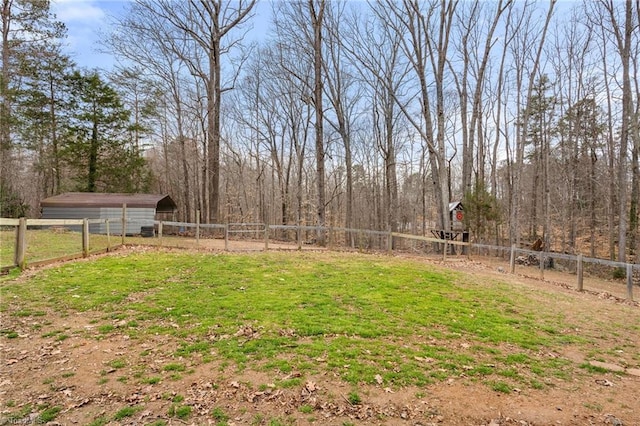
481, 211
43, 109
540, 112
97, 144
27, 26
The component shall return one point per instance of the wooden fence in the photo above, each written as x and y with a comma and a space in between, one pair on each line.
353, 238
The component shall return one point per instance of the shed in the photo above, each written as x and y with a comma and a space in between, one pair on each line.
456, 216
141, 209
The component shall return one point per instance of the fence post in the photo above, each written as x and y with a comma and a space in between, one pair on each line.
541, 264
197, 228
580, 273
124, 222
21, 244
85, 237
106, 222
512, 259
390, 243
330, 237
444, 251
266, 236
630, 282
226, 237
299, 236
160, 234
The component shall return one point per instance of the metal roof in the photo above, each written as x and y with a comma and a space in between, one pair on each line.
454, 205
162, 203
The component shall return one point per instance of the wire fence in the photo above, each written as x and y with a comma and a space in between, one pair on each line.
36, 241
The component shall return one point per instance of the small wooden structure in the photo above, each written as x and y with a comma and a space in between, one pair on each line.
140, 210
457, 227
456, 216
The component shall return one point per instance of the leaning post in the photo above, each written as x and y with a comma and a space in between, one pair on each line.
630, 282
85, 237
266, 237
446, 248
124, 222
21, 243
580, 272
512, 260
197, 228
106, 223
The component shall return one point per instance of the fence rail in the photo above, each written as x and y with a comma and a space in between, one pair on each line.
354, 238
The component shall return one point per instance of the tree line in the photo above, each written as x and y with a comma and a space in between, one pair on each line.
365, 115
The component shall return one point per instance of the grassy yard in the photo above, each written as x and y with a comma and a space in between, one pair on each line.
305, 338
47, 244
367, 318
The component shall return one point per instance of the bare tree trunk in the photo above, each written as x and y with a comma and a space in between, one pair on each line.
5, 103
624, 47
622, 33
634, 237
214, 90
317, 19
515, 215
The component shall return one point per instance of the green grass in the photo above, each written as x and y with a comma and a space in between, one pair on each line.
362, 315
49, 414
219, 415
125, 412
180, 411
44, 244
47, 244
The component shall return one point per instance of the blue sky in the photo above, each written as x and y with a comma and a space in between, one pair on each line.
86, 20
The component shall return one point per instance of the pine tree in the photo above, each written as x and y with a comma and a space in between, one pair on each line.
27, 27
97, 147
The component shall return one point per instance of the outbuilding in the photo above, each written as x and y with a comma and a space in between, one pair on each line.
456, 216
141, 210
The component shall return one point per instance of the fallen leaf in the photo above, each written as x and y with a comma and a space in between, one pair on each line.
311, 386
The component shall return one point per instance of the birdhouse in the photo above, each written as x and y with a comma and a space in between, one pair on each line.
456, 216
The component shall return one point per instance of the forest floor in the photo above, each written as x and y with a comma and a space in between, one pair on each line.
38, 371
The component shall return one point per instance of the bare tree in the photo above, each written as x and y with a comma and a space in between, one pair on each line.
208, 24
426, 31
617, 21
374, 51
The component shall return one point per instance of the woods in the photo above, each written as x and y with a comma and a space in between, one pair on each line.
366, 115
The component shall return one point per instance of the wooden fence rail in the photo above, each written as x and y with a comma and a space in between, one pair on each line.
263, 231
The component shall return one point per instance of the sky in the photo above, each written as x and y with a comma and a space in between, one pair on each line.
86, 20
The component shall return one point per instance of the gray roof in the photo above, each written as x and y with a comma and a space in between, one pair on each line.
162, 203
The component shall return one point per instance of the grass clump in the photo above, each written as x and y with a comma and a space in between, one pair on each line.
593, 368
181, 412
500, 387
354, 398
125, 412
219, 416
174, 367
49, 414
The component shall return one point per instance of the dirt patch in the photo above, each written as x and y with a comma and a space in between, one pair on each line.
66, 362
